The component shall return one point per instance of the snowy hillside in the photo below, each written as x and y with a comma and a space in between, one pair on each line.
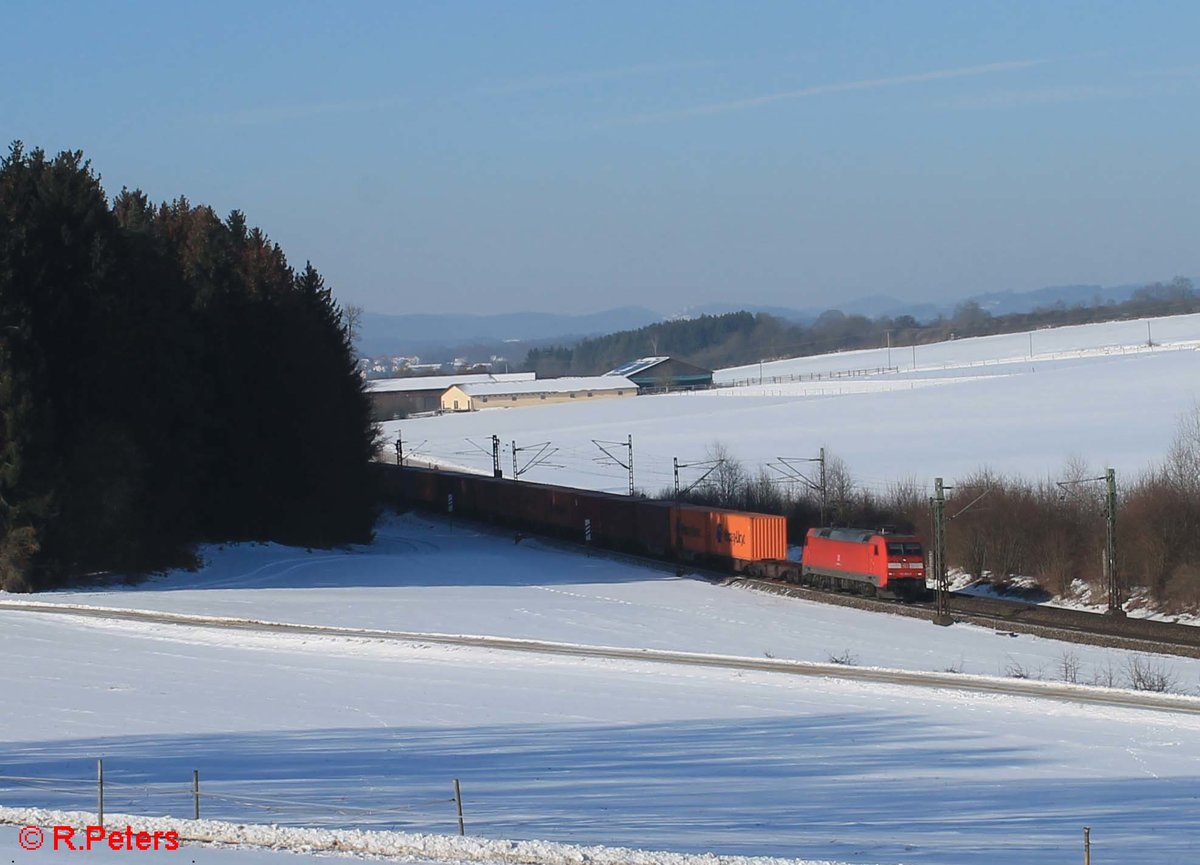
434, 576
344, 732
1095, 392
571, 744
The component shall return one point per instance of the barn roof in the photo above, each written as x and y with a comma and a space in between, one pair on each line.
637, 366
568, 384
439, 383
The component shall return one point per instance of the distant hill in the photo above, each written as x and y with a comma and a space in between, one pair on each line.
414, 334
1007, 302
875, 306
384, 334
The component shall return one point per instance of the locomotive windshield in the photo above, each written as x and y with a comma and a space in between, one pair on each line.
898, 548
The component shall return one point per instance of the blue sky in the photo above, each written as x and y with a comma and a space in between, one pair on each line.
570, 157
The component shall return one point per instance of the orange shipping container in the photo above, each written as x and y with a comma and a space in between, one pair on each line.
718, 533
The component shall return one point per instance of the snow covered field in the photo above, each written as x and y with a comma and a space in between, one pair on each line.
343, 731
433, 576
575, 750
1095, 392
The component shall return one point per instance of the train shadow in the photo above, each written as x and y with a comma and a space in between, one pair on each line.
409, 550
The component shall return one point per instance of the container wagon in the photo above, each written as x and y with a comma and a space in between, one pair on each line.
724, 537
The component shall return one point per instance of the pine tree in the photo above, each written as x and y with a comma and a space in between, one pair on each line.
165, 377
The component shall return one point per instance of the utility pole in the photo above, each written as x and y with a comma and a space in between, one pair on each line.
889, 348
938, 502
1031, 345
542, 451
1110, 545
399, 449
712, 465
628, 462
631, 464
1110, 536
914, 356
793, 473
496, 472
824, 486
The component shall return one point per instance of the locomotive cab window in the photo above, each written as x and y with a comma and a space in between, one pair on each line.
897, 548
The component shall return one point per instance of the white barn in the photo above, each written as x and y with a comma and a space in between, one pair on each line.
512, 394
399, 397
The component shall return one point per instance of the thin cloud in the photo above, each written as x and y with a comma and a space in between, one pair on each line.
573, 79
1043, 96
841, 87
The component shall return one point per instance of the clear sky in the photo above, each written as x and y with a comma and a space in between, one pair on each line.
571, 157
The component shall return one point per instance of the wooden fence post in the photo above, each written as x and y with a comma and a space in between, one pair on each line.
100, 791
195, 794
458, 801
1087, 845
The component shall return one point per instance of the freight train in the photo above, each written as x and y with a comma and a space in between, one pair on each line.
859, 560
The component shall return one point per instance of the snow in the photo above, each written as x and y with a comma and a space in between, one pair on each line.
565, 758
431, 575
408, 847
1094, 392
587, 752
339, 733
1046, 344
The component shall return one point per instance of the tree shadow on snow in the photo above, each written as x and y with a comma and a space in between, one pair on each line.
877, 787
409, 551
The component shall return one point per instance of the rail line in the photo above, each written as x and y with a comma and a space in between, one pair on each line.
1056, 623
946, 681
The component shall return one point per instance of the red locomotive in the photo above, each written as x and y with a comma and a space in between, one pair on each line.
862, 560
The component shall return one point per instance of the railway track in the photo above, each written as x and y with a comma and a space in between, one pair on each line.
550, 508
1075, 626
1056, 623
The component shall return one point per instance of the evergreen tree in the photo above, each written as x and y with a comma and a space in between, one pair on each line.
164, 378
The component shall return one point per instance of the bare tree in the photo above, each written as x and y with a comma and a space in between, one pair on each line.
729, 478
839, 486
763, 494
351, 318
1183, 459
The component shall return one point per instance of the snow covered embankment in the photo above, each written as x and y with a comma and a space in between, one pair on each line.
447, 848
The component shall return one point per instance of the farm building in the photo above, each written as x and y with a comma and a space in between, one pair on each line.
510, 394
664, 373
393, 398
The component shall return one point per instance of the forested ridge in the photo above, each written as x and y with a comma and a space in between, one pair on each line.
166, 377
736, 338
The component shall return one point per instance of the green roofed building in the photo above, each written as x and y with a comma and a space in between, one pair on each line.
664, 373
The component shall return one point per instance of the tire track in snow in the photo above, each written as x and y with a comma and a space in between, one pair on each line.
945, 681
